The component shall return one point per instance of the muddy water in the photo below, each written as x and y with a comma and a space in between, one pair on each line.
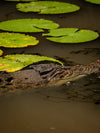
73, 107
34, 114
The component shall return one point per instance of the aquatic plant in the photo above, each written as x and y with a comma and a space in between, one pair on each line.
93, 1
47, 7
17, 40
12, 63
21, 0
71, 35
1, 52
28, 25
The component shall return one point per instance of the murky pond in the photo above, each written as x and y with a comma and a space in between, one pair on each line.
34, 114
73, 107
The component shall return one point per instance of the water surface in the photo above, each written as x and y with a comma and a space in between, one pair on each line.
72, 108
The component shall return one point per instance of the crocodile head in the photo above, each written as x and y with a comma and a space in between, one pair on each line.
44, 74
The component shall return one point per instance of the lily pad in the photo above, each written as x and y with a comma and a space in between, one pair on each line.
30, 59
22, 0
71, 35
12, 63
93, 1
47, 7
1, 52
28, 25
16, 40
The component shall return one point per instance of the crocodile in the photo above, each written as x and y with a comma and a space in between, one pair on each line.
38, 75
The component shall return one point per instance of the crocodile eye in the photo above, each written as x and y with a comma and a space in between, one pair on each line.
0, 80
9, 79
26, 78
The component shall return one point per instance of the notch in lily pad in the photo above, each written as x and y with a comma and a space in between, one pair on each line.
17, 40
1, 52
12, 63
93, 1
71, 35
47, 7
28, 25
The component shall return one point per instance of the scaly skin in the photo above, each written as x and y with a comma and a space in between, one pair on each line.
69, 72
44, 74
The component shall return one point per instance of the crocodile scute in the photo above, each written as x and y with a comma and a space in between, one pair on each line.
43, 74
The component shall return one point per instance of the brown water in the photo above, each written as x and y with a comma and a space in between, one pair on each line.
56, 109
34, 114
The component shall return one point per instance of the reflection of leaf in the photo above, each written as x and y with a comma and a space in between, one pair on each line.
15, 40
1, 52
21, 0
93, 1
28, 25
71, 35
11, 63
47, 7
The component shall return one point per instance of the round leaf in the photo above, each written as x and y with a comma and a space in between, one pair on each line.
16, 40
27, 25
93, 1
1, 52
22, 0
12, 63
47, 7
71, 35
30, 59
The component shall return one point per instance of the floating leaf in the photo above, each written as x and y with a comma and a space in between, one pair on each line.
1, 52
30, 59
47, 7
16, 40
71, 35
27, 25
12, 63
22, 0
93, 1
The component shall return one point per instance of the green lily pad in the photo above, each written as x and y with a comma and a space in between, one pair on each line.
93, 1
12, 63
22, 0
71, 35
47, 7
16, 40
30, 59
28, 25
1, 52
